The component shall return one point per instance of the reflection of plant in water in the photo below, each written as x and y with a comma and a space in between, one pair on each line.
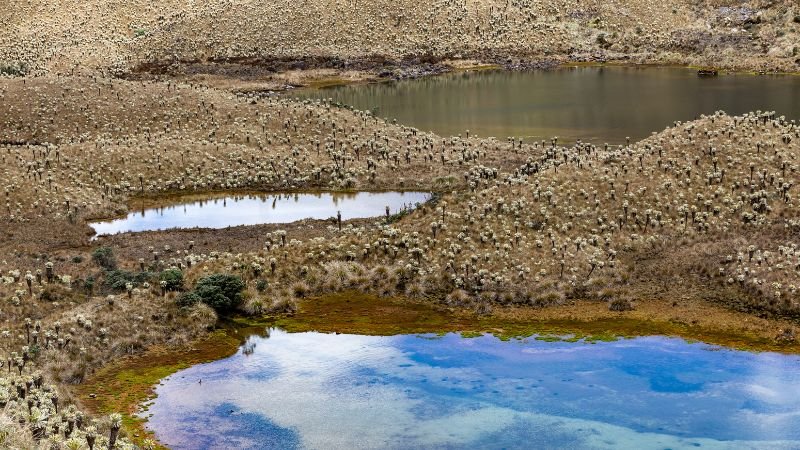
530, 224
249, 347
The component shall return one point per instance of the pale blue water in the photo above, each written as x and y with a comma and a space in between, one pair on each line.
235, 210
327, 391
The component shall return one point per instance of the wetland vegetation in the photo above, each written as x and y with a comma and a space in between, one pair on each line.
568, 208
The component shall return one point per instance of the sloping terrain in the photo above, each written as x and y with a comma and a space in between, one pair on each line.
64, 36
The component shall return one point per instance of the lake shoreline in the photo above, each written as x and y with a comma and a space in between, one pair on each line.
179, 197
284, 75
128, 384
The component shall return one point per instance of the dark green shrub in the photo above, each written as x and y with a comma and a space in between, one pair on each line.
174, 279
14, 70
117, 279
212, 296
188, 299
261, 285
88, 285
104, 257
221, 292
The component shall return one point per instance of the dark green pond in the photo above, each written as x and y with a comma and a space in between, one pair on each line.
597, 104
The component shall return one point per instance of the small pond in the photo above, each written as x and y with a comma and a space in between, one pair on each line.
595, 104
234, 210
328, 391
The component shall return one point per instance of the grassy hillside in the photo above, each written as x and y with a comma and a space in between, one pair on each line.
64, 36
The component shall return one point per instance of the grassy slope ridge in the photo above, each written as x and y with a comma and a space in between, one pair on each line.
67, 35
687, 225
709, 202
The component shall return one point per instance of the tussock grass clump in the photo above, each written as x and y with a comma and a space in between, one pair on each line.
514, 225
219, 38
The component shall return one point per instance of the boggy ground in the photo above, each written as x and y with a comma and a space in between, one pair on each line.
692, 231
127, 384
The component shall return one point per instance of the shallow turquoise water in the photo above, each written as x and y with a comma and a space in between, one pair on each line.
235, 210
327, 391
595, 104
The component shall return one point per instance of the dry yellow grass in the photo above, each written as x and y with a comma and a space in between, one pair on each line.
66, 36
693, 222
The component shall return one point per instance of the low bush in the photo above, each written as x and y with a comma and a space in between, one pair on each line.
188, 299
104, 257
173, 279
14, 70
219, 291
116, 280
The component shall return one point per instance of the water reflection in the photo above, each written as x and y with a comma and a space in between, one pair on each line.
598, 104
321, 391
233, 210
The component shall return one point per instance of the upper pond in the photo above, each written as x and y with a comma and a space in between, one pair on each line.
234, 210
596, 104
327, 391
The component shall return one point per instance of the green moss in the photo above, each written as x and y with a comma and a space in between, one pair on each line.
601, 338
128, 383
471, 334
357, 313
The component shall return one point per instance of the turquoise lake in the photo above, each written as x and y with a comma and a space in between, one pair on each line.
328, 391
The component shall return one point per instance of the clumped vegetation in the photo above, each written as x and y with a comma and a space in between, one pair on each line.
13, 70
171, 280
219, 291
121, 280
704, 211
104, 257
222, 38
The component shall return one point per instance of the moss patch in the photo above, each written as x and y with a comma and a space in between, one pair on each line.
125, 385
357, 313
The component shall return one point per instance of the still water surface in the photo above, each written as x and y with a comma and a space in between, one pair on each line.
327, 391
234, 210
596, 104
